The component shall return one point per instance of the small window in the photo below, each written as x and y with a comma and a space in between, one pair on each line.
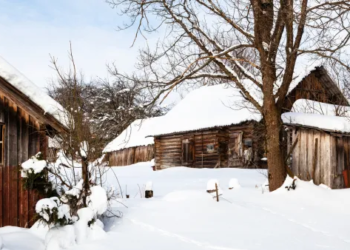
210, 148
248, 142
2, 143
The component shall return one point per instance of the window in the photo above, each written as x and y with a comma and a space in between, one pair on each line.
210, 148
2, 143
187, 151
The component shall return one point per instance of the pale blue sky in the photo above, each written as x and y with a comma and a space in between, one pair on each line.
32, 29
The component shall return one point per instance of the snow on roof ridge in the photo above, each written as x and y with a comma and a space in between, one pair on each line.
206, 107
134, 135
33, 92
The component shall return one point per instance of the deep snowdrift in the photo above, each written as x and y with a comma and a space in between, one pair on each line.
182, 215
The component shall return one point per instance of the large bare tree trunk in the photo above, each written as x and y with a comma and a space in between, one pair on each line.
276, 168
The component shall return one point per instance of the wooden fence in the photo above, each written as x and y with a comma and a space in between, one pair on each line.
130, 156
17, 206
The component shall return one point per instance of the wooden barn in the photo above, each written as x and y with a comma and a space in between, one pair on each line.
320, 146
132, 146
202, 131
27, 116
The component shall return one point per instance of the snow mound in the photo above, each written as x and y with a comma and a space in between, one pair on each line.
98, 200
149, 186
233, 184
60, 238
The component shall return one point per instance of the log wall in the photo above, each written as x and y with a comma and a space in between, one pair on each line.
324, 163
169, 148
22, 139
130, 156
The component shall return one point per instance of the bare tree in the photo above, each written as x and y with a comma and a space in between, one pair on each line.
204, 37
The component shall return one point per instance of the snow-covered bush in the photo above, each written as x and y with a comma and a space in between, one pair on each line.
35, 176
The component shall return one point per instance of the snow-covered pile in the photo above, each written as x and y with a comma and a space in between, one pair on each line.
33, 165
206, 107
134, 135
34, 93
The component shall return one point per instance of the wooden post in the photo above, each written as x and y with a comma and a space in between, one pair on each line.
217, 192
314, 160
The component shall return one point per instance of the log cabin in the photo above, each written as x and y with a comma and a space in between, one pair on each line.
27, 117
319, 142
210, 128
132, 145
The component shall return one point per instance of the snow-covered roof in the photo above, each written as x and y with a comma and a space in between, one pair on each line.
33, 92
313, 107
134, 135
328, 123
206, 107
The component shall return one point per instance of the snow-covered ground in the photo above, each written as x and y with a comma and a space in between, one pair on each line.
182, 215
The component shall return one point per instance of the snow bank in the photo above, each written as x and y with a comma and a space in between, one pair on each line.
60, 238
223, 104
233, 183
325, 122
34, 93
134, 135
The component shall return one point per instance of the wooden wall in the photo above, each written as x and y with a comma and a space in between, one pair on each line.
23, 139
312, 88
130, 156
324, 163
168, 148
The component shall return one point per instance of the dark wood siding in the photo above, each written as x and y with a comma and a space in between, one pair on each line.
212, 147
22, 140
314, 87
130, 156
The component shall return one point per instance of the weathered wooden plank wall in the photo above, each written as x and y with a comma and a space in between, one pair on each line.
168, 148
129, 156
22, 139
332, 157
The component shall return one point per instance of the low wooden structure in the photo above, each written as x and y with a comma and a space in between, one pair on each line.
226, 146
322, 147
132, 146
24, 126
128, 156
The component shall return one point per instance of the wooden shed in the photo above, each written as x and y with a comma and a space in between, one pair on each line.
132, 146
322, 147
27, 116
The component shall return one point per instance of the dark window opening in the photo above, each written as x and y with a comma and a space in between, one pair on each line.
187, 151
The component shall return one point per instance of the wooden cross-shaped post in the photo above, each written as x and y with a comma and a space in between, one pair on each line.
217, 192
